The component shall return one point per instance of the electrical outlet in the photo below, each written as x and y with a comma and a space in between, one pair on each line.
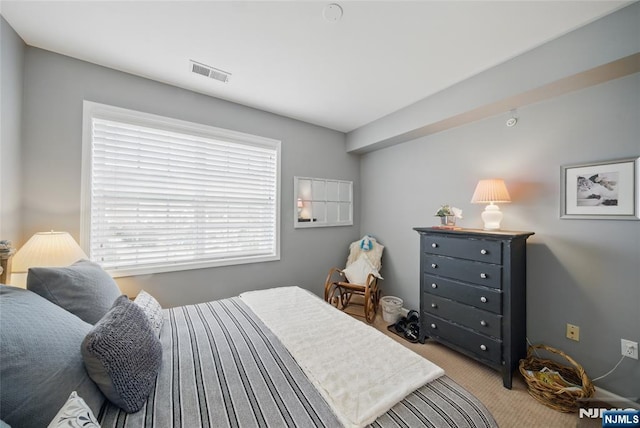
573, 332
629, 348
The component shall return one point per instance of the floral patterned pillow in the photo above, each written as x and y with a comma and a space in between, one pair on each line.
74, 414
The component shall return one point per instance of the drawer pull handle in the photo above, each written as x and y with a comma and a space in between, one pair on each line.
483, 323
483, 251
483, 275
434, 285
483, 299
433, 326
484, 348
433, 305
433, 265
434, 245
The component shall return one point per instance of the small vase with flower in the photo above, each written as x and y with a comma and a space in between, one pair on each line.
448, 215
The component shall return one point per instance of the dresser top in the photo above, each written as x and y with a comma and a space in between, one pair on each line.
500, 234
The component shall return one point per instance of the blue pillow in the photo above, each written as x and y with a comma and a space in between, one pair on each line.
84, 288
40, 359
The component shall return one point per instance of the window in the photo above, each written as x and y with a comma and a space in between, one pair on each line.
160, 194
322, 202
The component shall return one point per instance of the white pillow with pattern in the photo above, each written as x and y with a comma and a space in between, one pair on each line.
74, 414
151, 309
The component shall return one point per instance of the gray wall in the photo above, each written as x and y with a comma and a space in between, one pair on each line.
11, 69
584, 272
55, 87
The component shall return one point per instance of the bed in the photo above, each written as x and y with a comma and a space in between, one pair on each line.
224, 366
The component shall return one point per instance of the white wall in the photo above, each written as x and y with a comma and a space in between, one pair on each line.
584, 272
55, 87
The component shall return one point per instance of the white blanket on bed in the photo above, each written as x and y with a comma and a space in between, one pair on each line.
358, 370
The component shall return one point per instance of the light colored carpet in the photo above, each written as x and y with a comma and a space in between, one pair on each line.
511, 408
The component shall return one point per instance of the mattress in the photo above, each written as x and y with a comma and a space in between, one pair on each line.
222, 367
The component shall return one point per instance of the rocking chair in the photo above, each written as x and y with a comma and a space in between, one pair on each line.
359, 278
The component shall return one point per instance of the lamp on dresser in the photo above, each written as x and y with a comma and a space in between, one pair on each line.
45, 249
491, 191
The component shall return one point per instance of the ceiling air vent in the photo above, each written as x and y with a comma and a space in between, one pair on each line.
209, 71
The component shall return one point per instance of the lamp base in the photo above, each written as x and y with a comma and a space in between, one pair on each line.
492, 216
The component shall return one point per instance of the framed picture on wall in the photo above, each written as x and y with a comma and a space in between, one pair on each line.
601, 190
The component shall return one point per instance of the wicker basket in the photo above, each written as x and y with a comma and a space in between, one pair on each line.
556, 397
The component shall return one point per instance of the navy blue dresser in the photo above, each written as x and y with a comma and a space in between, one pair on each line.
473, 294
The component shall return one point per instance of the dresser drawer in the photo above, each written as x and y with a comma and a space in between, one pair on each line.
481, 297
482, 346
472, 249
479, 273
484, 322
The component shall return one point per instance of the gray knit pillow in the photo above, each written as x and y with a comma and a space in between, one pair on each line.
123, 355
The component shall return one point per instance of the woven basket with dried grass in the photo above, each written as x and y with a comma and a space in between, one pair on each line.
564, 399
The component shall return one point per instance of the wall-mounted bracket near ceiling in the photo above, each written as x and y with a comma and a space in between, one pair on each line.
513, 120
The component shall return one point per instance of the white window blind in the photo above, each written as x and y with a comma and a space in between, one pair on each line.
175, 197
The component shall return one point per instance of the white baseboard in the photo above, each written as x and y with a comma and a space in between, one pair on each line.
615, 399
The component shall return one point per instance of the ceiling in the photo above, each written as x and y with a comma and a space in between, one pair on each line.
286, 58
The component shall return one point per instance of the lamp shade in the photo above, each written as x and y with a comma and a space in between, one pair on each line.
491, 190
47, 249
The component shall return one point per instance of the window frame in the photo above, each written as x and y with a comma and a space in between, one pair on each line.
102, 111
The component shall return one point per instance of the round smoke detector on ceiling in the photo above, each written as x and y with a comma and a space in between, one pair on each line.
332, 12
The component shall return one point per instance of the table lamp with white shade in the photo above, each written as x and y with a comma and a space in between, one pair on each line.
45, 249
492, 191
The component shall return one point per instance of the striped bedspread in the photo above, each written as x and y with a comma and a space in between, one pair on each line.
223, 368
